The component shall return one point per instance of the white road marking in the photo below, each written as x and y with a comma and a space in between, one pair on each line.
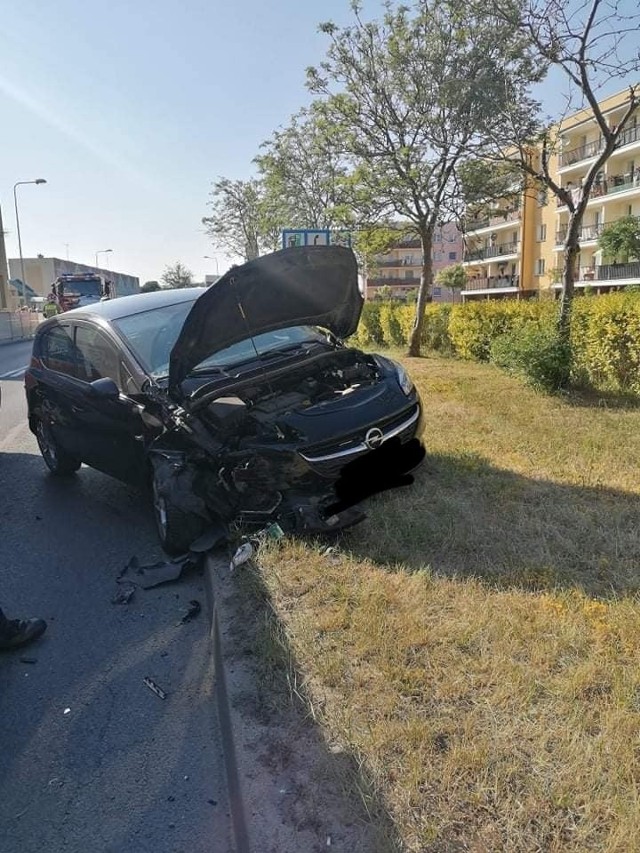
13, 374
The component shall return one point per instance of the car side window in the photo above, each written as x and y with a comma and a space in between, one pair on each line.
58, 351
99, 357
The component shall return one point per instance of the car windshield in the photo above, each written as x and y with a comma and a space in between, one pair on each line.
85, 287
151, 335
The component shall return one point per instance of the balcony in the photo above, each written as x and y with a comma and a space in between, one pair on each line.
628, 137
609, 185
493, 221
613, 272
592, 149
587, 232
489, 252
492, 282
398, 263
583, 152
414, 281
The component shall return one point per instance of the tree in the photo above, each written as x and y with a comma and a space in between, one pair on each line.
586, 42
410, 97
620, 241
304, 179
454, 277
176, 275
240, 222
150, 287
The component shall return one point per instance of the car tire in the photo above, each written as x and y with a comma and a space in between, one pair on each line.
58, 461
176, 529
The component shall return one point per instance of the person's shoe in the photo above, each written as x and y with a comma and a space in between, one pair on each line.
19, 632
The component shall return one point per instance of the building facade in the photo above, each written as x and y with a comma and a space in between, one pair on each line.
41, 272
400, 268
514, 248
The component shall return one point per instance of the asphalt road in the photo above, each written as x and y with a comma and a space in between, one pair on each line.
90, 758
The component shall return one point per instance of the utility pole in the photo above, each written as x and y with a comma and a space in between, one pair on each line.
4, 277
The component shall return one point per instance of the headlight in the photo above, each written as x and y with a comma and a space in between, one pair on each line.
403, 379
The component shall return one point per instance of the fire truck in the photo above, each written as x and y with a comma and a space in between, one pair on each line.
80, 289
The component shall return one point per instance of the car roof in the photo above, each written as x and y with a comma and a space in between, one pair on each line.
136, 303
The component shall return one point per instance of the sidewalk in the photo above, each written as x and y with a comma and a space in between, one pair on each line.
18, 325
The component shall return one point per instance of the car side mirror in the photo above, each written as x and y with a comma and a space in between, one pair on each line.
104, 389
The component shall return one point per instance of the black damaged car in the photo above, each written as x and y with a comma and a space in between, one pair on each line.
239, 402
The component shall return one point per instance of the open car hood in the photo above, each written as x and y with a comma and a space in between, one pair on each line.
302, 286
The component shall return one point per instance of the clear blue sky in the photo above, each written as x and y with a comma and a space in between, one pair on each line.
130, 108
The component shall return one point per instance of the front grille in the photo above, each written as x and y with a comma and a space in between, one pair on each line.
357, 437
346, 450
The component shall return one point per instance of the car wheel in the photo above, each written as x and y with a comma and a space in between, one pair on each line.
176, 529
57, 460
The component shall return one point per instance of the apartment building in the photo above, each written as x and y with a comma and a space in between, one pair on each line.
514, 248
400, 268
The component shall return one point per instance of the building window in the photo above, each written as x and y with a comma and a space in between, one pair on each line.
542, 233
540, 266
453, 256
408, 274
437, 291
437, 256
543, 198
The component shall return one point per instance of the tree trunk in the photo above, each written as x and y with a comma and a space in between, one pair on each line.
424, 293
570, 254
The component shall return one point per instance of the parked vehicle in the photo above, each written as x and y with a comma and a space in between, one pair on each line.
236, 402
77, 290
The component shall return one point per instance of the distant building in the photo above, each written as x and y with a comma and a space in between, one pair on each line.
514, 245
41, 272
400, 268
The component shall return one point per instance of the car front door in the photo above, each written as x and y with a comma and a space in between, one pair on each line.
113, 430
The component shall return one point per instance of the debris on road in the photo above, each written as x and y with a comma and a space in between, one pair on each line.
154, 687
208, 541
28, 660
67, 711
192, 611
124, 595
244, 553
154, 574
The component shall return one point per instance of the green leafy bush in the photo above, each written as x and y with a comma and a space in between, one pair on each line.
392, 331
435, 334
369, 329
605, 337
536, 353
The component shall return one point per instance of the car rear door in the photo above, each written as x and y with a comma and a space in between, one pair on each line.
113, 431
59, 392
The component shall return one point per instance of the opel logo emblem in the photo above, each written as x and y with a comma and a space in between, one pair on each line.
373, 438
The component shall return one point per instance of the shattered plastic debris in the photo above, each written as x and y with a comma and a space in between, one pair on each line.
244, 553
67, 711
274, 531
192, 611
28, 660
124, 595
155, 574
154, 687
209, 539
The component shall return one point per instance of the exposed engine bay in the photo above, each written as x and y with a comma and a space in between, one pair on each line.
238, 418
320, 382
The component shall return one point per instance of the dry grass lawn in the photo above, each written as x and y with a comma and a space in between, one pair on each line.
476, 642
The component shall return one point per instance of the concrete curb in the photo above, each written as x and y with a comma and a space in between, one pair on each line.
4, 343
236, 802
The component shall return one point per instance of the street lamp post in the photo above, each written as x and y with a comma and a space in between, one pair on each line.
102, 252
211, 258
15, 201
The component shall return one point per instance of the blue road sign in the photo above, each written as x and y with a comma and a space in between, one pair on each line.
314, 237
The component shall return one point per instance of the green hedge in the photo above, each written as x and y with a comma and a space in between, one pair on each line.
605, 339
